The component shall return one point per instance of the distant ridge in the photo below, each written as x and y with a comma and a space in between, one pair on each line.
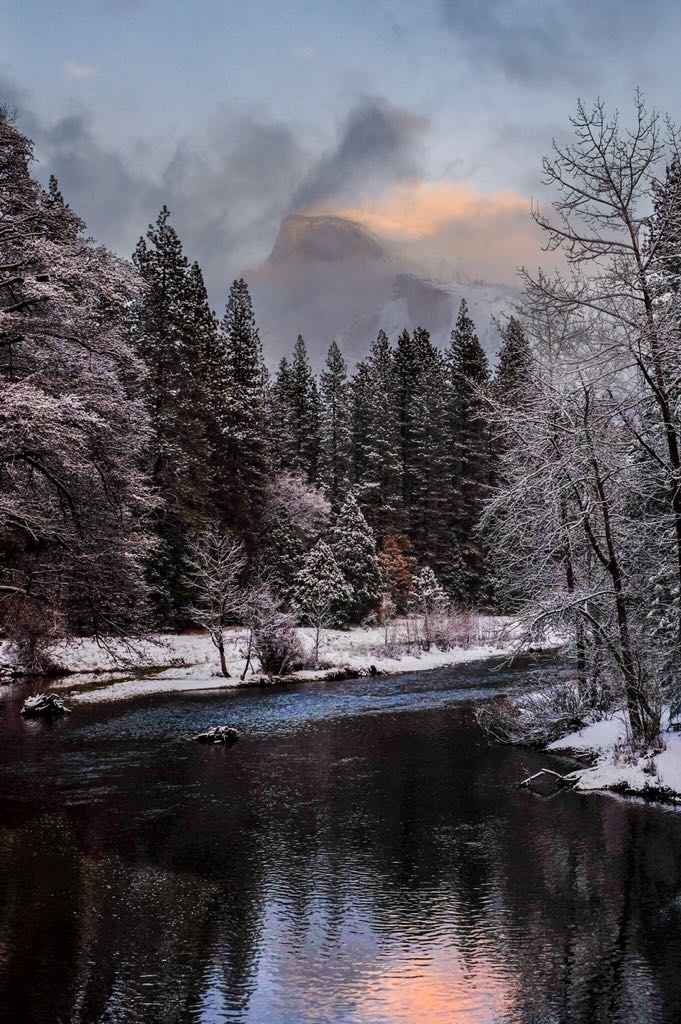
329, 277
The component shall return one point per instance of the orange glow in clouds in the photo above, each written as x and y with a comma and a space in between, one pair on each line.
417, 209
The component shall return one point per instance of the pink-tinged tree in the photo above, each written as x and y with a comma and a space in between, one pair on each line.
74, 500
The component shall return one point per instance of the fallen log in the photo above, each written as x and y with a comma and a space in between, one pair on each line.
552, 781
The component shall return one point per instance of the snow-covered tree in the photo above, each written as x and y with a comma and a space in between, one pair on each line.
470, 448
427, 598
335, 429
243, 459
514, 368
354, 548
173, 331
321, 591
75, 503
272, 635
379, 485
295, 515
215, 563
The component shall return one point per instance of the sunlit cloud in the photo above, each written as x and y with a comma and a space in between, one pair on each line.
72, 69
417, 209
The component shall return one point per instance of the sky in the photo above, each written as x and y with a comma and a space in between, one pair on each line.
426, 120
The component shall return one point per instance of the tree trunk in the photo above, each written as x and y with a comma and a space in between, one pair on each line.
223, 662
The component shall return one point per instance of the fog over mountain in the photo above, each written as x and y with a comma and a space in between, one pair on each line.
329, 277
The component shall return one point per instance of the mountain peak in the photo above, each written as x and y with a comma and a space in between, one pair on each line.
325, 238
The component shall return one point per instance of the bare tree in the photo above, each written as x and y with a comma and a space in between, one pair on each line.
215, 563
607, 182
272, 637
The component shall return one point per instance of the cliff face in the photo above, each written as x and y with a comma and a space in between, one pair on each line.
328, 277
327, 239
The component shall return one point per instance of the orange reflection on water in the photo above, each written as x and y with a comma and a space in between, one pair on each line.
440, 990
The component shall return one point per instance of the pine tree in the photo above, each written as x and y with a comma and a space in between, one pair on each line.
360, 415
335, 430
354, 547
430, 458
279, 417
168, 332
470, 441
415, 356
304, 415
379, 479
321, 591
243, 464
514, 370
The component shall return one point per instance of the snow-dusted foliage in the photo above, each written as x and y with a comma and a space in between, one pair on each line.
74, 502
295, 515
272, 639
321, 591
587, 521
428, 600
215, 562
354, 548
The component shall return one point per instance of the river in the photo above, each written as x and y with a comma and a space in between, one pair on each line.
360, 856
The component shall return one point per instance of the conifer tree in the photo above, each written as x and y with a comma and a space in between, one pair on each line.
243, 439
379, 478
354, 547
469, 440
304, 412
414, 358
360, 414
321, 591
172, 344
514, 369
429, 462
279, 417
335, 429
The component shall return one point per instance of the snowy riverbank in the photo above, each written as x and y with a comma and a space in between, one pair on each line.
617, 768
189, 662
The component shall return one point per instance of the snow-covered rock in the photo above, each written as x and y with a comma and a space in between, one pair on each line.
44, 705
218, 735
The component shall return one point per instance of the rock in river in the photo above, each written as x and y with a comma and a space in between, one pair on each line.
218, 734
44, 705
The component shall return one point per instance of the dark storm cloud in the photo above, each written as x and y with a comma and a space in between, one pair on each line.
533, 41
377, 146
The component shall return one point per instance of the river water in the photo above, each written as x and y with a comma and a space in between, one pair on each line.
360, 856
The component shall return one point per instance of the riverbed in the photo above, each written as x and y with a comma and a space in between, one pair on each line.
360, 856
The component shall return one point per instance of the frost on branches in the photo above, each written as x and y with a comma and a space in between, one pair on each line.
321, 591
586, 525
73, 497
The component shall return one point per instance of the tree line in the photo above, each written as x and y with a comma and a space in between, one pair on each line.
135, 420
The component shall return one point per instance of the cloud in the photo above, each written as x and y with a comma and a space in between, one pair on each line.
377, 144
549, 41
227, 184
417, 209
72, 69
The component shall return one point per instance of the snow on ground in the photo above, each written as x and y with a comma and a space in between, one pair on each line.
617, 767
189, 662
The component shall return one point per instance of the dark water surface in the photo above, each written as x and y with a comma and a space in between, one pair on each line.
359, 856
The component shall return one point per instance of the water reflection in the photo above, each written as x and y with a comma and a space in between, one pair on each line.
379, 868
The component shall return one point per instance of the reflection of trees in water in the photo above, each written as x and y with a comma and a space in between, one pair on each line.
324, 857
